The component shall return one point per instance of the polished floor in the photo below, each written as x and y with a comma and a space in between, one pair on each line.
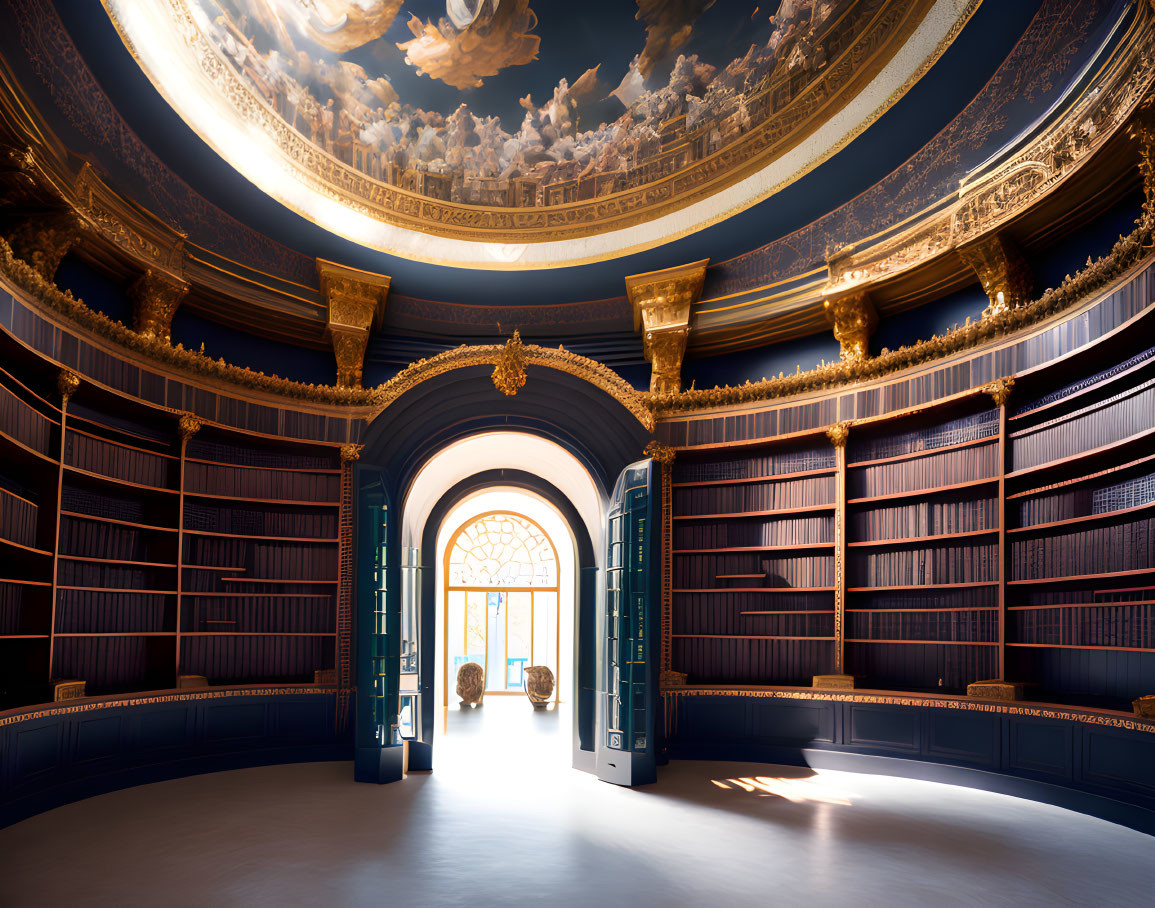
502, 821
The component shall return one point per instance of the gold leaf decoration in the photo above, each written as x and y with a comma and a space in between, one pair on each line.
509, 373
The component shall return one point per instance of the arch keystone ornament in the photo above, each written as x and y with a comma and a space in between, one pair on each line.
356, 307
509, 371
662, 301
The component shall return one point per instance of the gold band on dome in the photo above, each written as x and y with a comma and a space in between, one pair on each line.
358, 207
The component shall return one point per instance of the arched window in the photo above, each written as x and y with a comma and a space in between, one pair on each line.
501, 599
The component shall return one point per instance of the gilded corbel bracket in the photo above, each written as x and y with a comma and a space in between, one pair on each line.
662, 301
355, 301
853, 318
44, 239
1004, 273
155, 298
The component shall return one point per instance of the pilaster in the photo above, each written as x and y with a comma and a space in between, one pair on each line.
155, 298
853, 318
43, 240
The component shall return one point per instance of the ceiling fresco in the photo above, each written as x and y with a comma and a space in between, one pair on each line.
507, 123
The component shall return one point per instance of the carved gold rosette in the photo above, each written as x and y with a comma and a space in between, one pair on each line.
188, 425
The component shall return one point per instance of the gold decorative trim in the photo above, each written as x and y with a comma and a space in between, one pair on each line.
839, 433
28, 715
1121, 720
663, 454
509, 373
853, 318
351, 452
662, 301
600, 376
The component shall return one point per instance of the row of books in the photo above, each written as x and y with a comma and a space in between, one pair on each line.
200, 448
1058, 594
90, 612
779, 461
1110, 625
20, 421
260, 522
722, 612
266, 560
930, 472
114, 576
1074, 387
241, 660
1093, 426
956, 431
259, 614
933, 625
15, 614
1125, 546
960, 597
111, 664
733, 660
925, 518
702, 571
17, 518
908, 666
96, 539
765, 496
248, 482
110, 459
715, 534
940, 564
102, 504
1083, 500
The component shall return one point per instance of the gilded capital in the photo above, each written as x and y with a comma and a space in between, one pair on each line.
853, 318
43, 240
1000, 390
155, 297
661, 453
1142, 131
662, 301
350, 452
67, 383
1002, 270
188, 425
355, 301
839, 433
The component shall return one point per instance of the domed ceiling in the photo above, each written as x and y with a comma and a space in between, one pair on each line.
520, 134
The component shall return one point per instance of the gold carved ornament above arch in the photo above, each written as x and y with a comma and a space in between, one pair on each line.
597, 374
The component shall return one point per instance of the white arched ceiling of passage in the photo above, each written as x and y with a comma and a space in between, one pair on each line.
502, 451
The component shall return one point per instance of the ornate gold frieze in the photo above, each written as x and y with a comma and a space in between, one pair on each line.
155, 297
991, 198
44, 239
662, 301
509, 372
1000, 390
1001, 269
1126, 253
853, 319
355, 300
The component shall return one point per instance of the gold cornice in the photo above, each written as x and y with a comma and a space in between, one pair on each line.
843, 78
662, 301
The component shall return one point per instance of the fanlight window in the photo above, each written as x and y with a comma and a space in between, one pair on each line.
501, 600
502, 550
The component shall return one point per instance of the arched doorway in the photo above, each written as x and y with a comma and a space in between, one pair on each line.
502, 602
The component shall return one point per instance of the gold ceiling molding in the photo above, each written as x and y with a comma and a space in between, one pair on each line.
1127, 252
990, 199
332, 179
